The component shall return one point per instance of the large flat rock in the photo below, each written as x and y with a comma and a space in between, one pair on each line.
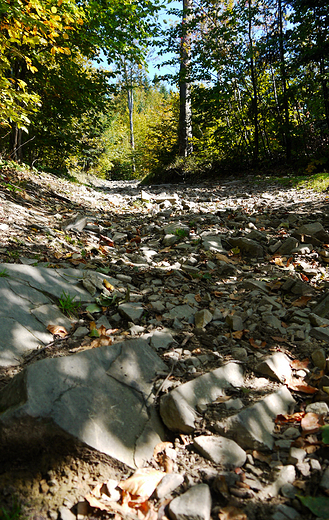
103, 397
27, 306
253, 427
178, 409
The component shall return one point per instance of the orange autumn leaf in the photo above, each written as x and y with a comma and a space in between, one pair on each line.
289, 418
257, 343
304, 277
57, 330
311, 422
289, 261
296, 364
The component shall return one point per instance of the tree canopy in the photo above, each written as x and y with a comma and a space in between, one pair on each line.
252, 77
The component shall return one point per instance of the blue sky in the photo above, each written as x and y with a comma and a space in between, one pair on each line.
152, 66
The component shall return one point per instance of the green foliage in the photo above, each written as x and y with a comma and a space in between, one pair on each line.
319, 506
68, 305
14, 513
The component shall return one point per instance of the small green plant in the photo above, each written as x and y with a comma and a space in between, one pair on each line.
4, 273
181, 233
68, 305
11, 514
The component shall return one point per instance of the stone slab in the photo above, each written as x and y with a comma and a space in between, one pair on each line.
89, 397
252, 428
27, 306
178, 408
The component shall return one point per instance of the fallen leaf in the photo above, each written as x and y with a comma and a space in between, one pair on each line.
102, 341
57, 330
319, 506
304, 277
223, 258
289, 418
95, 502
198, 298
279, 339
93, 307
161, 447
108, 240
257, 343
296, 364
289, 261
232, 513
325, 434
223, 399
311, 422
278, 261
136, 239
258, 455
143, 482
108, 285
238, 334
299, 385
302, 301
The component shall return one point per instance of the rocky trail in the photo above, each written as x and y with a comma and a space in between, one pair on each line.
163, 350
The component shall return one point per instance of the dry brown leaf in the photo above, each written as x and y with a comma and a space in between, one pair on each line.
238, 334
57, 330
257, 343
101, 342
95, 502
232, 513
279, 261
302, 301
137, 239
161, 447
258, 455
296, 364
312, 422
280, 339
92, 325
299, 385
223, 258
198, 298
289, 418
223, 399
143, 482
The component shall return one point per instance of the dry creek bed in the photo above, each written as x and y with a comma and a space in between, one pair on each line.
263, 278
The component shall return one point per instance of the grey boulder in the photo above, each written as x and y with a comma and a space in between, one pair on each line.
100, 397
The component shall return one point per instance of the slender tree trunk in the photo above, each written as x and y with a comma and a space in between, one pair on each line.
185, 134
254, 88
286, 122
16, 136
130, 94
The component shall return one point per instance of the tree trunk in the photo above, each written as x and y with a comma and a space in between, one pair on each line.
185, 134
130, 93
286, 122
254, 89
